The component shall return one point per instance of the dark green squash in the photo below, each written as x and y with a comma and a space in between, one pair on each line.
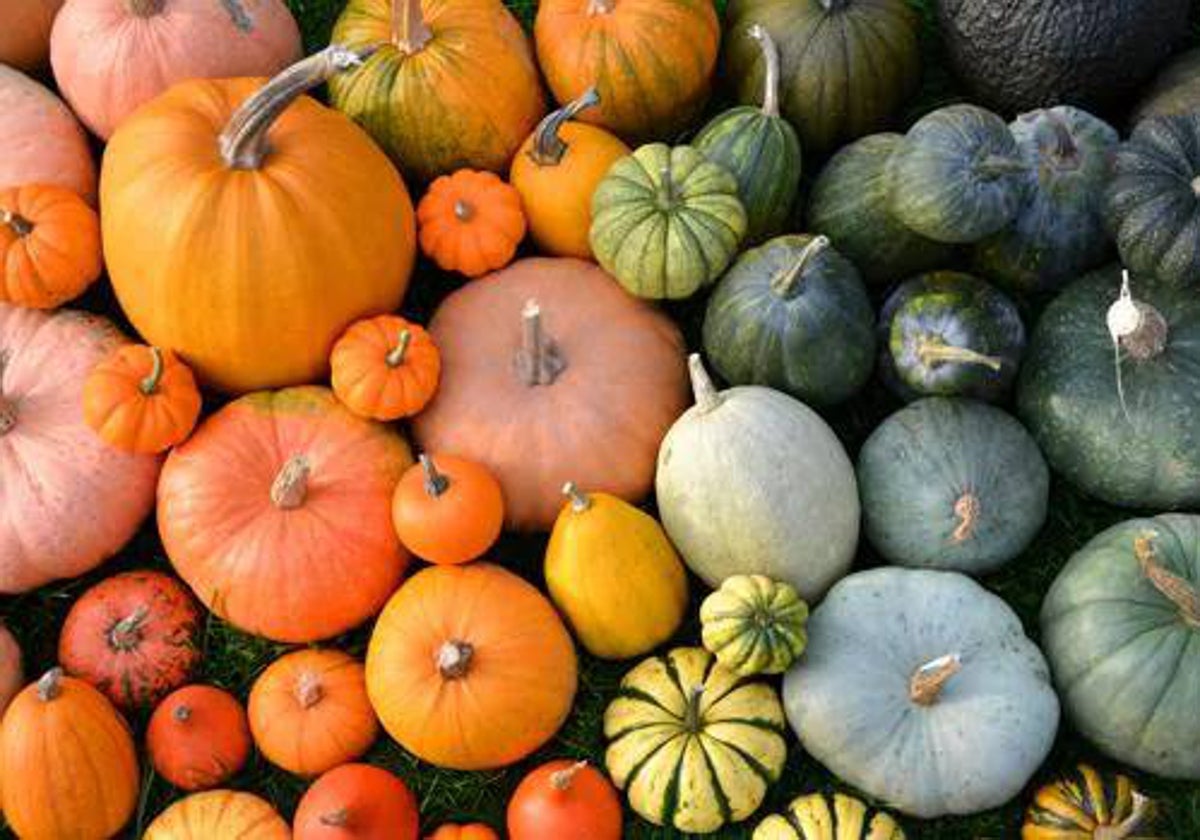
1176, 90
949, 334
847, 65
958, 176
761, 149
1152, 205
1059, 229
850, 202
792, 315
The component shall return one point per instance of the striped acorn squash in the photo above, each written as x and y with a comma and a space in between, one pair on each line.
693, 745
1086, 805
754, 625
822, 817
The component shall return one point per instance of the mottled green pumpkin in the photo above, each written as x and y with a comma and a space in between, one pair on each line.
1086, 804
666, 221
1176, 90
958, 176
793, 315
754, 625
818, 816
850, 203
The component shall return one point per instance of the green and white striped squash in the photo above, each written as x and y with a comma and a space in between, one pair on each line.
818, 816
754, 625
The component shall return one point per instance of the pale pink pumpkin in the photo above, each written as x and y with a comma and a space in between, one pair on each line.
12, 675
25, 34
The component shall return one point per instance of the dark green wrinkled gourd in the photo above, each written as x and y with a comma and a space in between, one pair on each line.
761, 149
793, 315
1176, 90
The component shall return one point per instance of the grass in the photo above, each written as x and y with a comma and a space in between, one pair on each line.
233, 659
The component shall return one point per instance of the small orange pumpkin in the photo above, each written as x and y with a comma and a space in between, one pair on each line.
470, 222
471, 831
219, 814
198, 737
357, 802
49, 246
448, 512
309, 711
141, 399
385, 368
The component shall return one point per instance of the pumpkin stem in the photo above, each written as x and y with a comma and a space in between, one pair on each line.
548, 147
145, 8
601, 7
150, 384
182, 713
1196, 186
435, 482
126, 634
243, 142
579, 500
395, 356
1135, 327
666, 186
49, 687
291, 484
967, 509
539, 361
933, 351
8, 408
786, 283
561, 780
309, 691
1142, 808
928, 681
991, 167
1179, 591
692, 721
336, 819
706, 394
16, 222
462, 211
410, 32
770, 52
454, 659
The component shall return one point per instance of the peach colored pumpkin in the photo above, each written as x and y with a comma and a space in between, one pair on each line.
12, 675
110, 56
25, 35
67, 500
219, 815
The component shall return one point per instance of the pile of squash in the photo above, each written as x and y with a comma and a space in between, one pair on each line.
446, 291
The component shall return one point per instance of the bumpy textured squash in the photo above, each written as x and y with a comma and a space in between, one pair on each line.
1087, 804
821, 817
754, 625
219, 813
1176, 90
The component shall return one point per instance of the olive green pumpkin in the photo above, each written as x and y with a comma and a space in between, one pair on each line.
793, 315
850, 203
1121, 627
694, 746
847, 66
821, 817
754, 625
761, 149
1176, 90
1087, 804
958, 176
666, 221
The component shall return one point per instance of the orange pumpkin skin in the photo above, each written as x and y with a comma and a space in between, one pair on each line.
141, 399
309, 711
385, 368
198, 737
471, 831
651, 61
219, 815
61, 787
357, 802
448, 510
565, 799
470, 667
25, 36
470, 222
288, 493
49, 246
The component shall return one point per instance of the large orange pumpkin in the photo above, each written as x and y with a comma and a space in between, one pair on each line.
198, 737
223, 814
49, 245
470, 667
551, 373
357, 802
277, 512
245, 226
25, 36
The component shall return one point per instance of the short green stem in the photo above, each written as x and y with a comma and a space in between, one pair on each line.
149, 385
395, 356
435, 482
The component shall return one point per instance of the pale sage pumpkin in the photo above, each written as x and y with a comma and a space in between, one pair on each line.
754, 625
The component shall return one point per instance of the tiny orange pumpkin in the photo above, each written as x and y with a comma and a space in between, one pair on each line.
471, 222
198, 737
49, 246
448, 512
141, 399
385, 368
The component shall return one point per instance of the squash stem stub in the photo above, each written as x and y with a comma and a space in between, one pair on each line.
126, 634
787, 282
410, 32
561, 779
1142, 808
309, 691
336, 819
967, 509
934, 351
692, 720
539, 361
290, 487
182, 713
149, 385
706, 394
145, 8
927, 682
49, 687
436, 483
1179, 591
601, 7
454, 659
17, 223
579, 500
548, 147
770, 53
395, 356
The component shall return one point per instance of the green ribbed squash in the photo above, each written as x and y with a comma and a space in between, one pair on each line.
666, 221
693, 745
819, 816
754, 625
1176, 90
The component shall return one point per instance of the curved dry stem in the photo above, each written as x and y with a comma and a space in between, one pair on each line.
933, 351
1179, 591
126, 634
539, 361
967, 509
548, 147
395, 356
928, 681
290, 487
49, 687
770, 53
786, 283
15, 222
149, 385
309, 691
579, 500
561, 779
435, 482
410, 32
705, 392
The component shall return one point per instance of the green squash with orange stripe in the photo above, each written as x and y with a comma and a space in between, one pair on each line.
821, 817
1086, 804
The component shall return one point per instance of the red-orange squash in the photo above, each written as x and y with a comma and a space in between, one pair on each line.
565, 799
449, 510
141, 399
25, 36
357, 802
470, 222
198, 737
12, 675
49, 246
385, 368
470, 831
223, 814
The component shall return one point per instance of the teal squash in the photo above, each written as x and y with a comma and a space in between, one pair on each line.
952, 484
850, 203
793, 315
958, 176
949, 334
1121, 627
761, 149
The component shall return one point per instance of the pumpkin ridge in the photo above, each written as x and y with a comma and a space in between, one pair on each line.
1180, 658
750, 761
670, 803
1129, 642
718, 793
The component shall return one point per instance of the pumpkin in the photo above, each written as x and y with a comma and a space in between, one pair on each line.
141, 399
666, 222
1059, 230
754, 625
850, 202
12, 675
847, 66
198, 737
920, 689
49, 246
651, 61
821, 817
750, 481
309, 711
470, 667
760, 148
448, 511
551, 373
949, 334
1086, 804
69, 501
564, 799
614, 575
470, 222
385, 368
952, 484
452, 84
43, 142
1118, 625
312, 487
218, 813
357, 801
694, 746
96, 42
232, 268
557, 170
1152, 204
25, 41
134, 636
471, 831
958, 176
82, 785
793, 314
1174, 90
1110, 392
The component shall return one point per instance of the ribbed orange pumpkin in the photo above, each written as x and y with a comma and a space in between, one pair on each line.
219, 815
198, 737
357, 802
385, 368
449, 510
25, 36
12, 676
470, 222
250, 260
471, 831
141, 399
49, 246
